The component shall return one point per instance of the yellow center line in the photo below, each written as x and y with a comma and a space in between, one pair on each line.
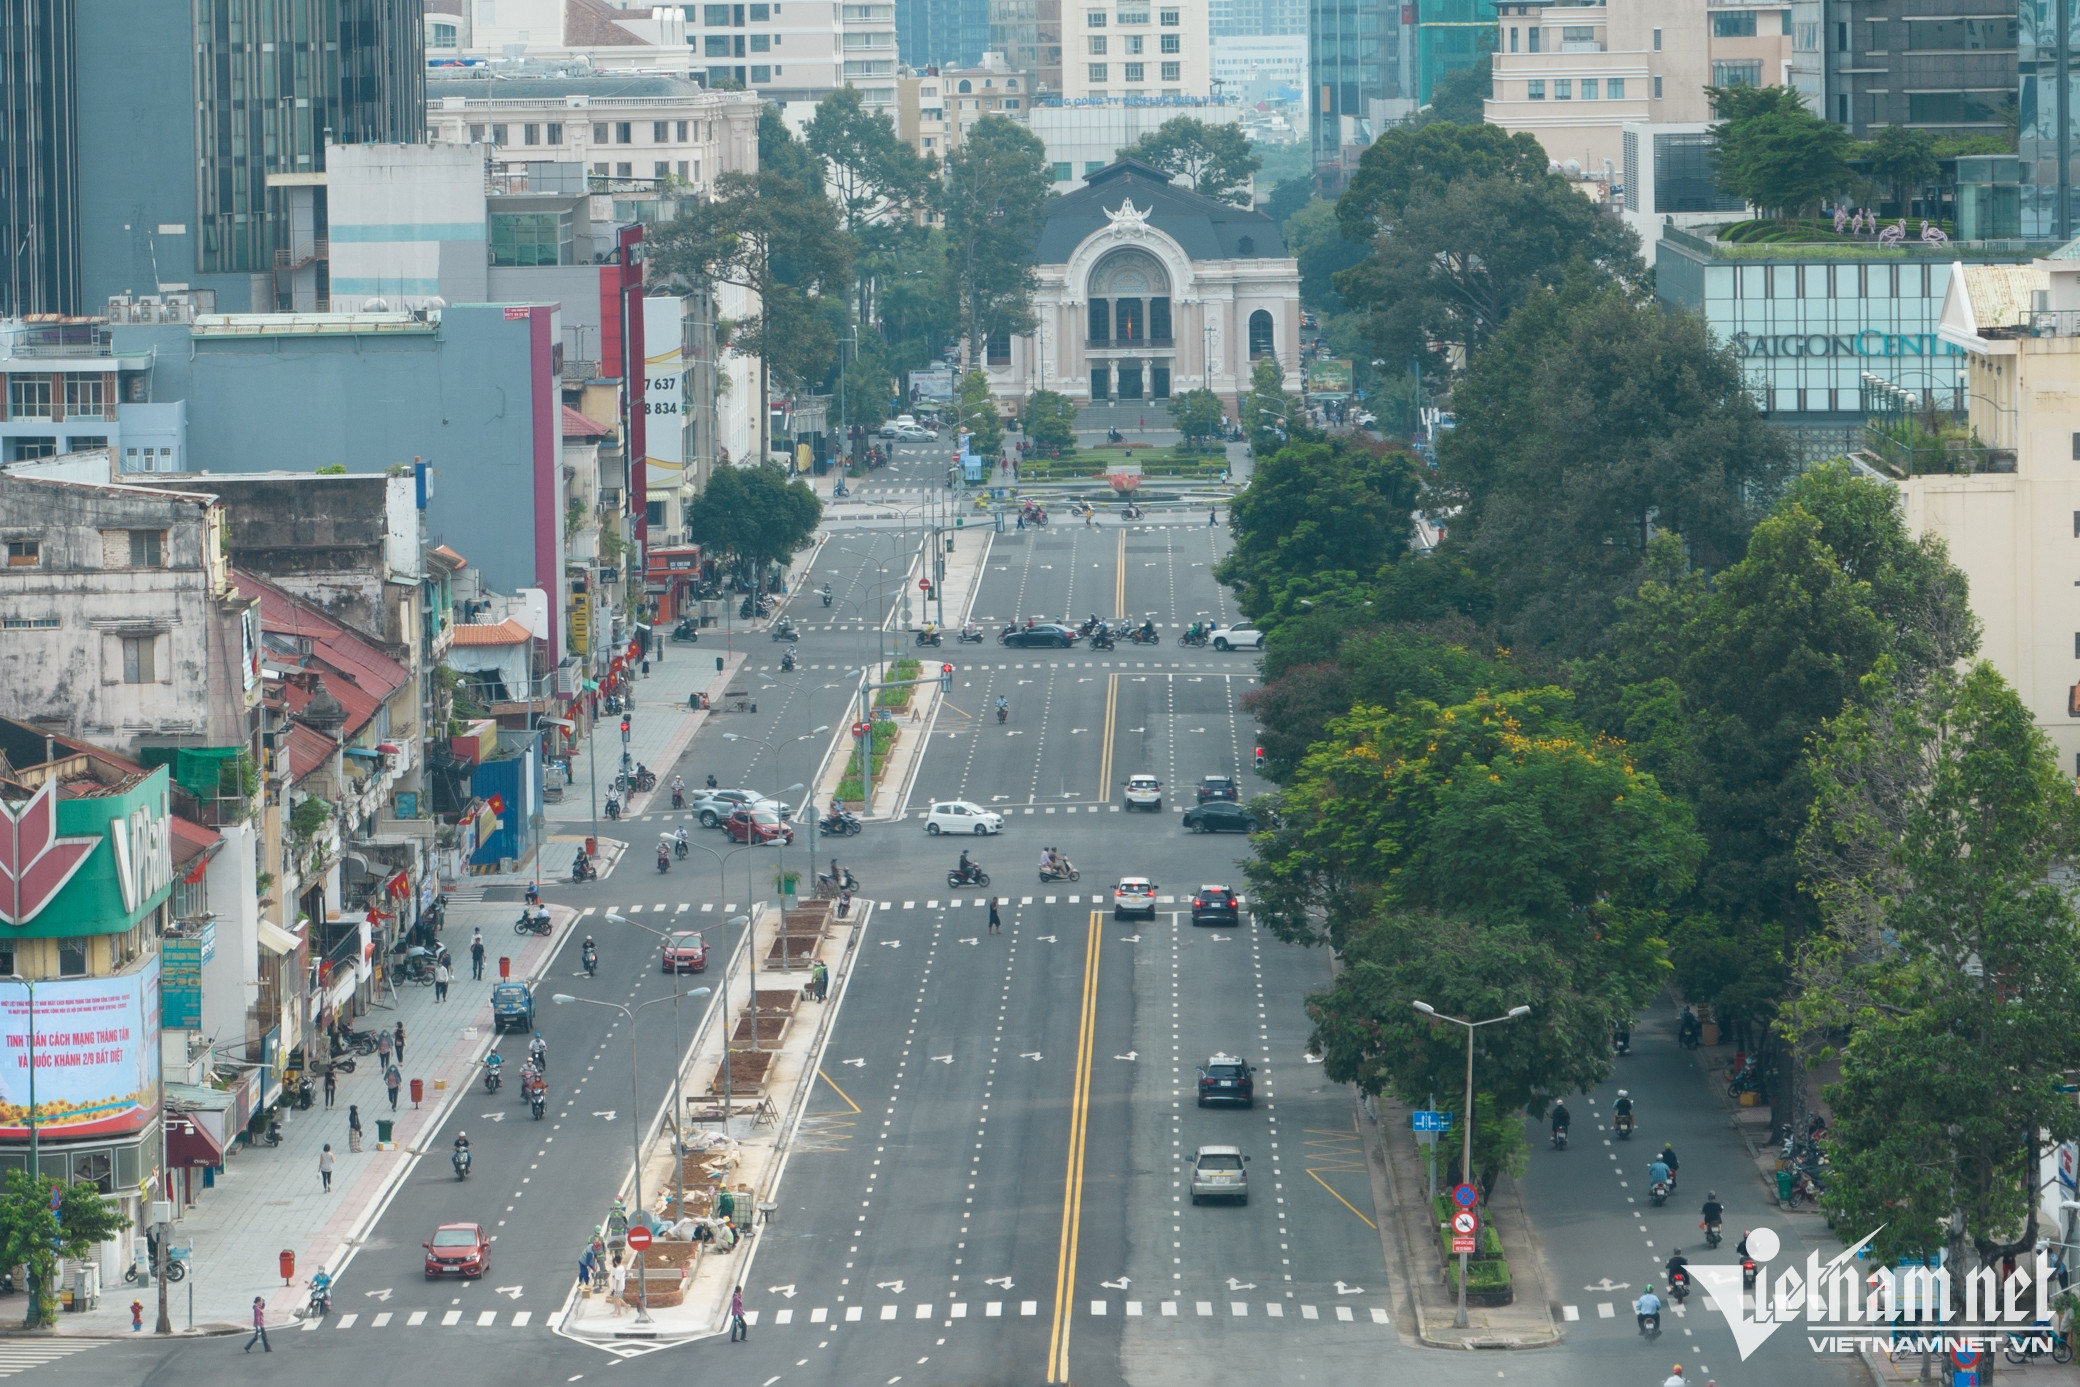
839, 1091
1072, 1190
1345, 1202
1119, 581
1105, 745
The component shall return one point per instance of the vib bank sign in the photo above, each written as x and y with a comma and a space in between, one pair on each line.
1915, 1309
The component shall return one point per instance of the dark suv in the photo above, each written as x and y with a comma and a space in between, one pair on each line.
1227, 1079
1217, 787
1216, 905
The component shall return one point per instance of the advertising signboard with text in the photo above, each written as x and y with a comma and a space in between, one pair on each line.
96, 1048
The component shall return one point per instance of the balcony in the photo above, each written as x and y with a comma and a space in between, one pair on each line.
1128, 344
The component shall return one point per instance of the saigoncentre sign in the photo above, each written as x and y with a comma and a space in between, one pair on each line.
1869, 342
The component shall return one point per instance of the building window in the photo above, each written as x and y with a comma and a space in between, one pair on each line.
715, 16
476, 134
1091, 166
1260, 343
147, 548
555, 132
624, 132
1657, 40
761, 13
1062, 174
624, 170
1097, 74
139, 666
599, 134
1535, 89
1094, 20
72, 958
498, 134
999, 350
1615, 88
86, 442
1739, 74
28, 553
82, 395
1134, 44
660, 132
531, 238
1588, 89
1097, 42
443, 36
1171, 42
1579, 38
28, 397
530, 134
1958, 107
1133, 16
682, 132
682, 169
30, 623
1133, 71
1173, 72
661, 170
713, 46
1563, 89
29, 447
1168, 19
1657, 86
1513, 39
761, 73
600, 169
1533, 37
1739, 24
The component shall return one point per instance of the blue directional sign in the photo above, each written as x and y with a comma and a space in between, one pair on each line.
1433, 1121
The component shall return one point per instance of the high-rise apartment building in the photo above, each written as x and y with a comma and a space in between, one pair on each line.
39, 163
1354, 61
942, 33
1029, 35
1239, 18
1122, 50
1945, 66
2050, 142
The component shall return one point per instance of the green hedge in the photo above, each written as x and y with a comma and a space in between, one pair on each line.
884, 745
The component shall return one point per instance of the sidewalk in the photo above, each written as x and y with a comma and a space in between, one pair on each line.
269, 1200
1527, 1321
689, 1283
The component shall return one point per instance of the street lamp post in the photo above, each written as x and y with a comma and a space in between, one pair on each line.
1466, 1161
635, 1122
35, 1153
810, 803
679, 1058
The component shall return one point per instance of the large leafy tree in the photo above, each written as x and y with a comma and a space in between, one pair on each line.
1771, 151
1050, 422
1315, 525
1454, 264
880, 181
755, 514
1408, 162
1198, 415
1596, 418
1316, 239
35, 1235
977, 413
1216, 158
1903, 159
995, 184
1939, 837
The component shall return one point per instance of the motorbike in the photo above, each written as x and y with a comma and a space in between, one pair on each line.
826, 594
306, 1093
1650, 1324
460, 1160
646, 781
784, 631
1803, 1187
1622, 1042
1657, 1193
532, 922
678, 797
787, 662
2023, 1345
1746, 1081
360, 1042
538, 1101
664, 862
271, 1135
1679, 1286
1190, 637
687, 632
1712, 1236
1623, 1125
1003, 712
613, 807
492, 1077
838, 825
1114, 436
1559, 1138
928, 638
974, 876
826, 883
1066, 871
590, 958
1144, 635
1747, 1273
971, 634
1101, 639
1690, 1036
582, 870
679, 848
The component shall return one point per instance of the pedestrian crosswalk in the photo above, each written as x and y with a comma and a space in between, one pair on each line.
1095, 898
1609, 1310
18, 1356
424, 1319
954, 1311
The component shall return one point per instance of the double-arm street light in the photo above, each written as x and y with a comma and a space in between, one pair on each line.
810, 803
635, 1116
1466, 1161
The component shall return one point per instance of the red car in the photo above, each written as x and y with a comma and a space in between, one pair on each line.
458, 1249
686, 952
767, 827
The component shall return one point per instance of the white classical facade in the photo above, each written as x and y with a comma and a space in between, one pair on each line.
1149, 289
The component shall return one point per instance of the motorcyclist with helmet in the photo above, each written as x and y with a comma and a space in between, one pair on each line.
590, 956
1562, 1119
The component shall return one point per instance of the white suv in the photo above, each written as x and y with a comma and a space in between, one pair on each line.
1144, 792
962, 816
1134, 896
1239, 637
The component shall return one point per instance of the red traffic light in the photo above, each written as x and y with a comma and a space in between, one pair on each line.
859, 729
624, 724
946, 669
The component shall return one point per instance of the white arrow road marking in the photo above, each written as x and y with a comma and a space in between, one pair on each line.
1342, 1289
512, 1291
382, 1295
895, 1286
1235, 1285
942, 1059
998, 799
1130, 939
891, 943
787, 1290
1130, 1055
1221, 939
1030, 1055
1000, 1281
1609, 1285
494, 1117
1312, 1059
860, 1063
1075, 730
607, 1115
1119, 1285
1014, 734
971, 939
1048, 938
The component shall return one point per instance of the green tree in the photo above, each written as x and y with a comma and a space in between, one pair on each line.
1288, 197
755, 514
1555, 511
1774, 153
1198, 414
977, 413
1412, 161
1318, 520
1269, 414
1903, 158
1050, 422
1939, 837
995, 184
1455, 264
881, 181
34, 1235
1461, 97
1216, 158
1316, 239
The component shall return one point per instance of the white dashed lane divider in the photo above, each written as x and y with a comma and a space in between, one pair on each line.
1097, 1309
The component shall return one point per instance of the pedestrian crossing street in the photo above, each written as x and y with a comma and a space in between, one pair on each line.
18, 1356
425, 1319
952, 1311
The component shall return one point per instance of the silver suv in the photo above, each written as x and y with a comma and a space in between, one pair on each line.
1220, 1172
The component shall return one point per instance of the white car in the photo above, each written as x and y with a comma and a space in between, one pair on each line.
962, 816
1239, 637
909, 433
1134, 896
1144, 792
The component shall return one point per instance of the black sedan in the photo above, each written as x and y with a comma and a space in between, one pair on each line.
1044, 637
1219, 816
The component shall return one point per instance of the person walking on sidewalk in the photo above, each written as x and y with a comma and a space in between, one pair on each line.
400, 1042
393, 1081
325, 1167
996, 924
617, 1285
820, 979
440, 980
259, 1326
383, 1047
353, 1126
476, 956
739, 1331
331, 1087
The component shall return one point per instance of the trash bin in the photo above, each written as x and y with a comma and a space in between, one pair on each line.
383, 1128
1784, 1186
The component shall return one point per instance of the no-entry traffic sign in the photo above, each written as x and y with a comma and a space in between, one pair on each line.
639, 1237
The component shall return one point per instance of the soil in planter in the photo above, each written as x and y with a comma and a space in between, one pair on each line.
781, 1002
770, 1029
793, 951
747, 1071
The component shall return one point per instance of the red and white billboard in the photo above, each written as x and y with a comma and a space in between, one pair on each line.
96, 1048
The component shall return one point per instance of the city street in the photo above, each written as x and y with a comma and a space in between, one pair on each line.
990, 1184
